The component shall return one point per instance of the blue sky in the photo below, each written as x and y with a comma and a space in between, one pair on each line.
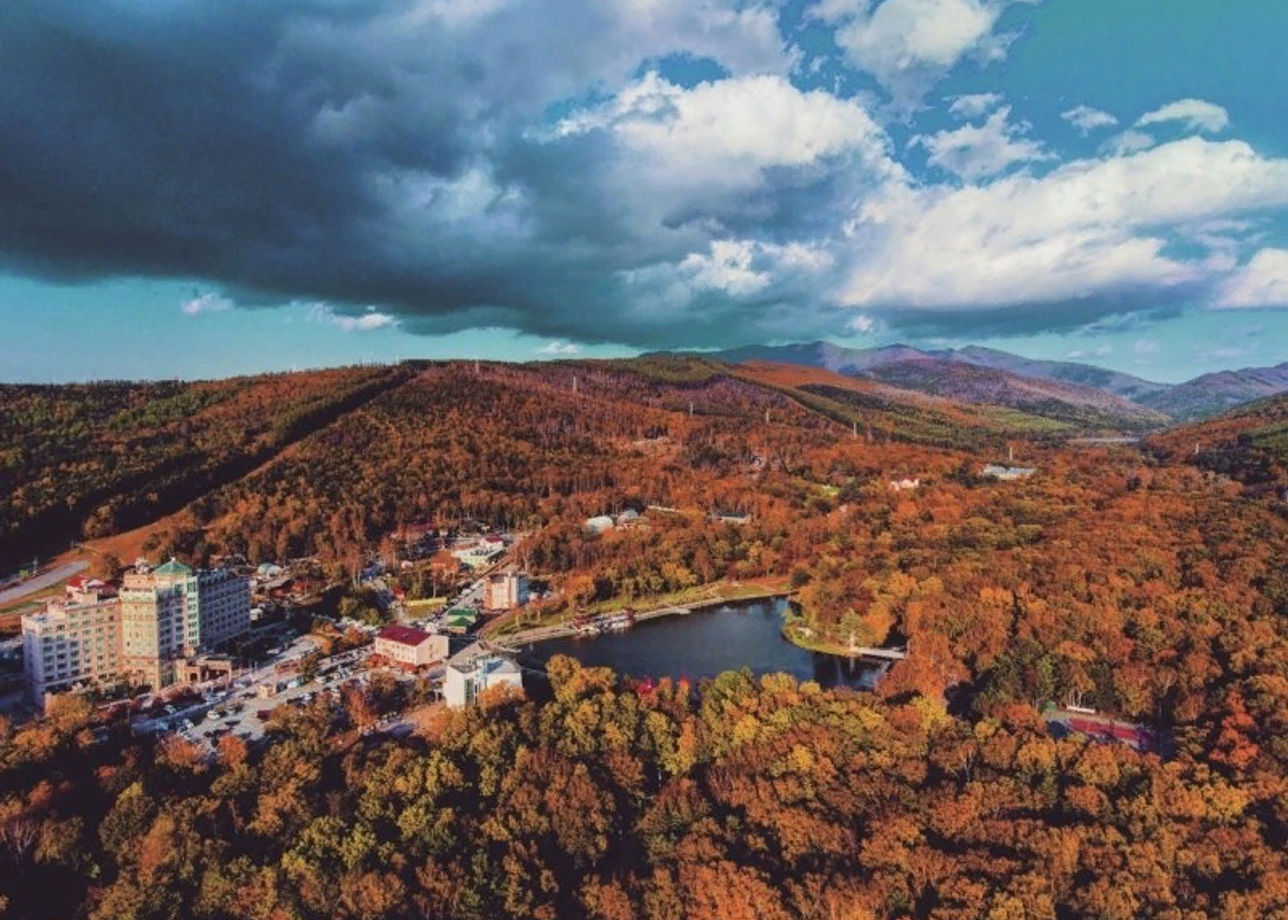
202, 189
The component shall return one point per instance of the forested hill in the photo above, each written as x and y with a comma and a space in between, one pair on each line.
85, 461
1249, 444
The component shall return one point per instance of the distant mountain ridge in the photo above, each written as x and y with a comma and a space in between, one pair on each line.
981, 376
945, 372
1212, 394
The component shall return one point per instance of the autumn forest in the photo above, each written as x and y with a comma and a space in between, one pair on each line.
1143, 578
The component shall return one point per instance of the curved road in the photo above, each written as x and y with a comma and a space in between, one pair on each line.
40, 582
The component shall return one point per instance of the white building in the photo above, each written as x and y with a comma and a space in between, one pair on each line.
506, 590
161, 618
478, 554
598, 524
475, 670
1007, 473
74, 641
410, 647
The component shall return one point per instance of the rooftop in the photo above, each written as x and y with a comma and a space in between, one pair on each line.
478, 656
403, 635
173, 567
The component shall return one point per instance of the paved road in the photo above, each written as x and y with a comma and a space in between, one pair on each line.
40, 582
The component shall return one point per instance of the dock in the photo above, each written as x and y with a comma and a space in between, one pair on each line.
881, 654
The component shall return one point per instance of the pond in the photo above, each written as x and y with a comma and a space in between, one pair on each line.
740, 634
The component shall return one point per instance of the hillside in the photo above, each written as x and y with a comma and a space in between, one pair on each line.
521, 446
1082, 408
1249, 444
1115, 382
894, 412
86, 460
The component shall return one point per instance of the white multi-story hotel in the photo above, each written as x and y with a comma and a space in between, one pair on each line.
74, 641
160, 619
169, 613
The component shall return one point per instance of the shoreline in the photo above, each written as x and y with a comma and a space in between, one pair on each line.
564, 631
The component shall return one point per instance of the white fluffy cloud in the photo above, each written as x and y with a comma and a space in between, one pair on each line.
1262, 282
731, 129
559, 348
1086, 119
909, 44
1127, 142
208, 302
974, 152
973, 105
1089, 227
362, 322
742, 267
1194, 114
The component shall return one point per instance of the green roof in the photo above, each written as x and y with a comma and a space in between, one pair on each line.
173, 567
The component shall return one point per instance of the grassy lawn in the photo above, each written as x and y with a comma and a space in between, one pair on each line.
798, 632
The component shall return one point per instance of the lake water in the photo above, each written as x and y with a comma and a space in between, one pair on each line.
742, 634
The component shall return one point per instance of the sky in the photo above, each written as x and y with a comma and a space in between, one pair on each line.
205, 188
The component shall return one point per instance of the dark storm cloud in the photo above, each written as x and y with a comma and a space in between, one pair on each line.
353, 153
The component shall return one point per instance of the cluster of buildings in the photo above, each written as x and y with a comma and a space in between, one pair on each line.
469, 672
604, 522
146, 632
474, 554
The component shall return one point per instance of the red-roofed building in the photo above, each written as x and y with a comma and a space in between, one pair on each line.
410, 647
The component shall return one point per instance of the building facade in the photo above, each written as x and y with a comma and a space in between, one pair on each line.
172, 611
74, 641
148, 633
506, 590
412, 648
475, 670
223, 606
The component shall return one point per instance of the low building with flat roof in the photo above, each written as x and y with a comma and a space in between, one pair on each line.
476, 670
1007, 473
410, 647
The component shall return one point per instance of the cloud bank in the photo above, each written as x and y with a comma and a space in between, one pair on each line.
652, 174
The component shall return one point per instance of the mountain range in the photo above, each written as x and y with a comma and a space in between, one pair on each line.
1067, 390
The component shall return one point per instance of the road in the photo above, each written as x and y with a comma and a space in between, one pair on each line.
40, 582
